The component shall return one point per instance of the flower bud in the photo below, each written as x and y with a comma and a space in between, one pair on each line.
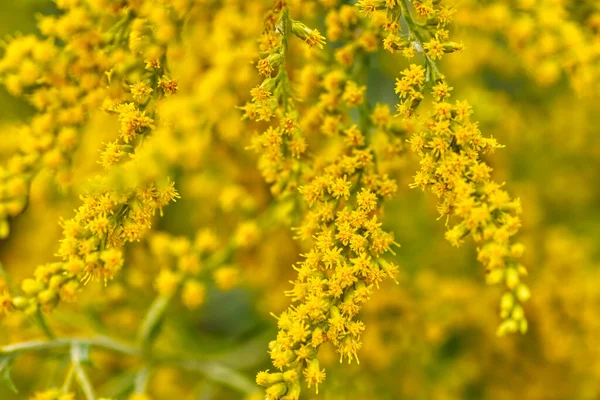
494, 276
507, 302
47, 296
266, 379
20, 302
523, 326
31, 286
290, 376
293, 392
4, 229
508, 326
311, 36
512, 278
523, 293
451, 47
276, 391
516, 250
56, 281
518, 314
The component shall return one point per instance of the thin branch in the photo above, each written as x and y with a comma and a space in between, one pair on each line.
152, 320
214, 370
217, 372
68, 380
82, 378
41, 320
100, 342
141, 380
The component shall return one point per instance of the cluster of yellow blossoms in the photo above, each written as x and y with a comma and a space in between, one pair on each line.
325, 147
88, 52
450, 147
279, 146
191, 266
157, 137
131, 50
343, 196
551, 38
90, 247
342, 192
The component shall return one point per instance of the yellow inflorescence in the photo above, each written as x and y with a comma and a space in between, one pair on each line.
343, 196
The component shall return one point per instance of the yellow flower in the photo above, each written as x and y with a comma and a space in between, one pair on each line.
354, 94
168, 85
193, 294
140, 91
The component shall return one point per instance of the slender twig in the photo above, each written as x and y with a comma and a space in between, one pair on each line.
219, 373
418, 36
214, 370
282, 73
68, 380
152, 320
41, 320
101, 342
141, 380
82, 378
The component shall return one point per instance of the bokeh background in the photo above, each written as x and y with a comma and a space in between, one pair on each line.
431, 336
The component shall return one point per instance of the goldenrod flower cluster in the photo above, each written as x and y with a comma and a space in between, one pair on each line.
86, 55
342, 202
107, 219
451, 147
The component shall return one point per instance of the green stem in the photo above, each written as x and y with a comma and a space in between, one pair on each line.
282, 74
150, 326
68, 380
214, 370
414, 30
100, 342
41, 320
217, 372
82, 378
141, 380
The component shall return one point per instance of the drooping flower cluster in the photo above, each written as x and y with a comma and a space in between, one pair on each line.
343, 191
338, 274
280, 146
111, 215
86, 54
90, 249
450, 148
